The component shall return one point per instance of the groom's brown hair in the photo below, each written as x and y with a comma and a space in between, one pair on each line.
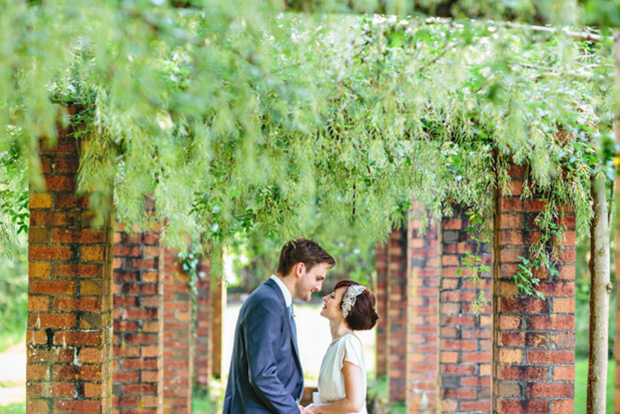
305, 251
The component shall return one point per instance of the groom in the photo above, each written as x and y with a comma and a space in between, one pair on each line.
265, 371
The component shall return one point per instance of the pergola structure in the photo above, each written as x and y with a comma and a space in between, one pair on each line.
110, 320
110, 326
517, 356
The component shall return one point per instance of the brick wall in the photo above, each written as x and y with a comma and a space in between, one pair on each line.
533, 339
138, 322
397, 316
178, 343
465, 345
381, 266
203, 349
391, 330
423, 324
69, 293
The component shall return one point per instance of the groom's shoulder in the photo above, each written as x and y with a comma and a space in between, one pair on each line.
261, 293
263, 297
264, 291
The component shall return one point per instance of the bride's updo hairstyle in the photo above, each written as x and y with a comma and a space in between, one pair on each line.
362, 315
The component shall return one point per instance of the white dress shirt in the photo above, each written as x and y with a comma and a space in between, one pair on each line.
287, 295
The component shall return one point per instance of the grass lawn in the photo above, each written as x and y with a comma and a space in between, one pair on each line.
17, 408
581, 382
10, 338
209, 404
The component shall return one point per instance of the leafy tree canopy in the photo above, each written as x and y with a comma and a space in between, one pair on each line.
238, 117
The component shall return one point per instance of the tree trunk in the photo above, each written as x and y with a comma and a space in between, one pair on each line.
617, 229
600, 289
617, 280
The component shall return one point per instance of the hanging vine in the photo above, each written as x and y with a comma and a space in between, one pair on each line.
234, 121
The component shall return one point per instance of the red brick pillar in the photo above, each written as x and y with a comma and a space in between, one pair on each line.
218, 304
202, 356
391, 294
381, 352
533, 339
138, 322
69, 294
465, 346
397, 316
178, 344
423, 324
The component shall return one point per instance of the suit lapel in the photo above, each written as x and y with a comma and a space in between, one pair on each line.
273, 285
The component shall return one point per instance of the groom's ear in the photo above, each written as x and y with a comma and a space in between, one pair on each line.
299, 269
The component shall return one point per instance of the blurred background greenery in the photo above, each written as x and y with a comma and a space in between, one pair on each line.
14, 297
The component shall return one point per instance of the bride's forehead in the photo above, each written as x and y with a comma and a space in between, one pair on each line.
340, 291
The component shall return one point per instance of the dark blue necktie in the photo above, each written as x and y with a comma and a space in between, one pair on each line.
291, 318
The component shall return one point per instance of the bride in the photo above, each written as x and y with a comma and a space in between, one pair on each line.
342, 378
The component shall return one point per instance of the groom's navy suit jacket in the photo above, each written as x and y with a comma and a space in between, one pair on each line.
265, 372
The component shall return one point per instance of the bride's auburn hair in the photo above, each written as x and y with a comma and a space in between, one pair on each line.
362, 315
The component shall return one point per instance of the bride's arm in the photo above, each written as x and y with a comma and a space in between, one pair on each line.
353, 402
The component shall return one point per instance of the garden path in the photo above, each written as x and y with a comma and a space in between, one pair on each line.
13, 374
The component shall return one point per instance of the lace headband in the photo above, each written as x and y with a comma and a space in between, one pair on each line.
350, 297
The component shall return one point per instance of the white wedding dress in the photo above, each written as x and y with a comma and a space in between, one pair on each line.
331, 381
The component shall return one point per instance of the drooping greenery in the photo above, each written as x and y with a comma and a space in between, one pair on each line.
255, 255
237, 118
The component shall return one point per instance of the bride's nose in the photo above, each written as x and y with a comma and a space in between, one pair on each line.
325, 298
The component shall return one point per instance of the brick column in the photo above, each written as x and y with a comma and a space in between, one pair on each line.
423, 323
202, 356
465, 346
397, 316
69, 293
381, 267
138, 322
178, 344
533, 339
218, 304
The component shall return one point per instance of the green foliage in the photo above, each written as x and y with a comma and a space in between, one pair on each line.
525, 278
189, 264
15, 408
238, 119
377, 401
559, 12
14, 299
210, 402
602, 13
480, 232
256, 255
14, 212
